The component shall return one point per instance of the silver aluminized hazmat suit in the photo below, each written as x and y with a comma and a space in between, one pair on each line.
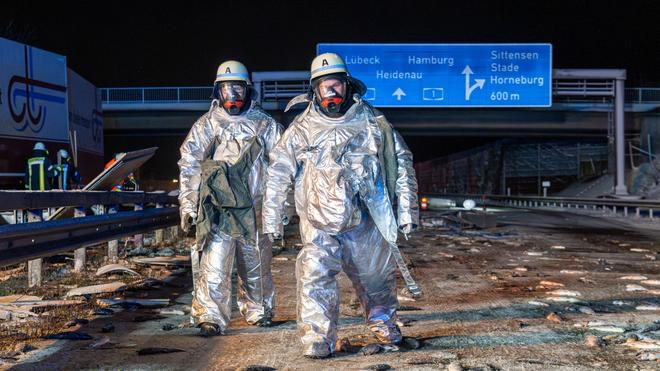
337, 171
220, 136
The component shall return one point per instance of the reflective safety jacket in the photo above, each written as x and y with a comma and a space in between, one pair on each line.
39, 171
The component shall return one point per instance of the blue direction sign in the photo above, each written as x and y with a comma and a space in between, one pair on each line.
451, 75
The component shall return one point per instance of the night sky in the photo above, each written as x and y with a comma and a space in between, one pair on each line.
156, 44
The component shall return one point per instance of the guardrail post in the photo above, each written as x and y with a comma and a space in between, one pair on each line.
35, 266
138, 237
113, 246
651, 214
637, 212
79, 255
614, 209
173, 233
625, 211
159, 232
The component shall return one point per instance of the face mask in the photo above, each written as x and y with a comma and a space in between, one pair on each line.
233, 96
330, 93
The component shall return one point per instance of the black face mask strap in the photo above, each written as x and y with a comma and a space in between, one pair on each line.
216, 91
348, 102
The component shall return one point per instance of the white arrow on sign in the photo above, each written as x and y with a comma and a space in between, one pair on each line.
479, 83
398, 93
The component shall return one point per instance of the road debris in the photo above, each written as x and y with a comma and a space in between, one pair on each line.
165, 252
134, 301
77, 321
633, 278
115, 268
563, 299
587, 310
9, 299
593, 341
150, 351
410, 343
605, 327
257, 368
648, 356
644, 344
108, 327
565, 293
171, 311
554, 317
571, 271
102, 312
634, 288
164, 261
70, 335
550, 284
97, 289
371, 349
100, 342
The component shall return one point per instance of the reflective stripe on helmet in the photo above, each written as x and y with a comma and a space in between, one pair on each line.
241, 75
327, 68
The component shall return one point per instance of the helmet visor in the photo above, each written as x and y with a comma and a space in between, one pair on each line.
331, 87
232, 91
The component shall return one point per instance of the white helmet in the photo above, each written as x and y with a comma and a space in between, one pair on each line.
326, 64
233, 71
39, 146
63, 153
332, 85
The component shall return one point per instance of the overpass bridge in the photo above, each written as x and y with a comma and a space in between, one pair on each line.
581, 107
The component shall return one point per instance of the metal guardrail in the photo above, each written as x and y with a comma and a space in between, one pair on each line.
20, 200
583, 87
37, 238
642, 95
637, 208
185, 94
20, 242
272, 90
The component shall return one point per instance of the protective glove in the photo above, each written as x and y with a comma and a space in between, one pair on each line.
187, 220
407, 229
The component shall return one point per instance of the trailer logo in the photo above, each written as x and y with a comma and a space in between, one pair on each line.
26, 95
